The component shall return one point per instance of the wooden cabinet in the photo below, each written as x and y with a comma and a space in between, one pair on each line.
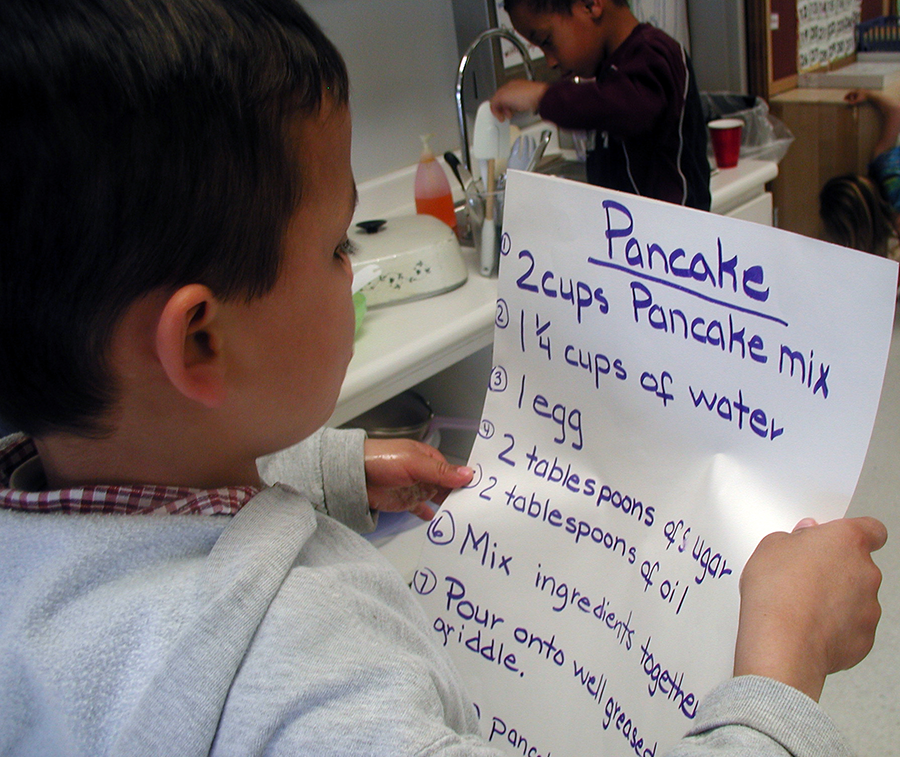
830, 138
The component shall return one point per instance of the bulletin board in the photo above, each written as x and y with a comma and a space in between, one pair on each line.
826, 32
791, 36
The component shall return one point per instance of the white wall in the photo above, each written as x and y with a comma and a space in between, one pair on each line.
718, 44
669, 15
402, 59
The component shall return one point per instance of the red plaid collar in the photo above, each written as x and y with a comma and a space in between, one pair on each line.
19, 451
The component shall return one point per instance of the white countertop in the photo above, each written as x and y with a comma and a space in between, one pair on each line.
730, 186
399, 346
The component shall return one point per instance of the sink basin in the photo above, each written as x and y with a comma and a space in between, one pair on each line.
565, 169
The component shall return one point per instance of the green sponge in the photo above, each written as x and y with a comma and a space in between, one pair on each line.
359, 307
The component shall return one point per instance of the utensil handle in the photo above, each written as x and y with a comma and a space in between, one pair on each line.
452, 161
491, 186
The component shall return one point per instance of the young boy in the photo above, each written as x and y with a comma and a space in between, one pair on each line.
641, 106
175, 188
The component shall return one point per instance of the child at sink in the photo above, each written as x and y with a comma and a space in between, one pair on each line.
639, 101
175, 295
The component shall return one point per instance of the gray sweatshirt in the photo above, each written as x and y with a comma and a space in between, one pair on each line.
274, 632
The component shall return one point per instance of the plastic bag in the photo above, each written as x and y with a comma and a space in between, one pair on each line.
763, 137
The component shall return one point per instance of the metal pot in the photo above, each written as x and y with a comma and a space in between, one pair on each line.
407, 416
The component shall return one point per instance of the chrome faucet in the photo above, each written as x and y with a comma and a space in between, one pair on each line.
463, 64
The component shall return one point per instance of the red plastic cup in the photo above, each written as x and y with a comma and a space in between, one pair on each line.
726, 141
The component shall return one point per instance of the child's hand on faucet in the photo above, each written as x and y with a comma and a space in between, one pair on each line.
403, 474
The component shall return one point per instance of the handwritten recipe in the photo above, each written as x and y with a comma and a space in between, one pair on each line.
668, 387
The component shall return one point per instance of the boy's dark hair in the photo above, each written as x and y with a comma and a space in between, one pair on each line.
856, 215
549, 6
142, 147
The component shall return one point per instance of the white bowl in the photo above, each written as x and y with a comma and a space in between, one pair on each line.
418, 255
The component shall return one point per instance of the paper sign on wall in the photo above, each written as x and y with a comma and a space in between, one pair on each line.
668, 387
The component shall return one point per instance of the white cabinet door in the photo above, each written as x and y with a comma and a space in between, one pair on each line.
758, 210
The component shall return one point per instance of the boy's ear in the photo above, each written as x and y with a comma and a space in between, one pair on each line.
189, 343
594, 8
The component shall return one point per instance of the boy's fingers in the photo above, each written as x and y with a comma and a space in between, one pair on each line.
442, 473
874, 532
423, 511
500, 112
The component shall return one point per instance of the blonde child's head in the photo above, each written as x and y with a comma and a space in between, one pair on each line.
856, 215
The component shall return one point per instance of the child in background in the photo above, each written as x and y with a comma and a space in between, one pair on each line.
175, 189
861, 211
641, 105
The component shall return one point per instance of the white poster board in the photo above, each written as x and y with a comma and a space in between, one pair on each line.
668, 387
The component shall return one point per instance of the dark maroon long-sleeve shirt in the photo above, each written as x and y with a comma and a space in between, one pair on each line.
644, 112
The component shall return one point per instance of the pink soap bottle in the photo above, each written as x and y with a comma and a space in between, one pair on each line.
432, 189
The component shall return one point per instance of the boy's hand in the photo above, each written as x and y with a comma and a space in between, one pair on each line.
517, 96
402, 474
809, 603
